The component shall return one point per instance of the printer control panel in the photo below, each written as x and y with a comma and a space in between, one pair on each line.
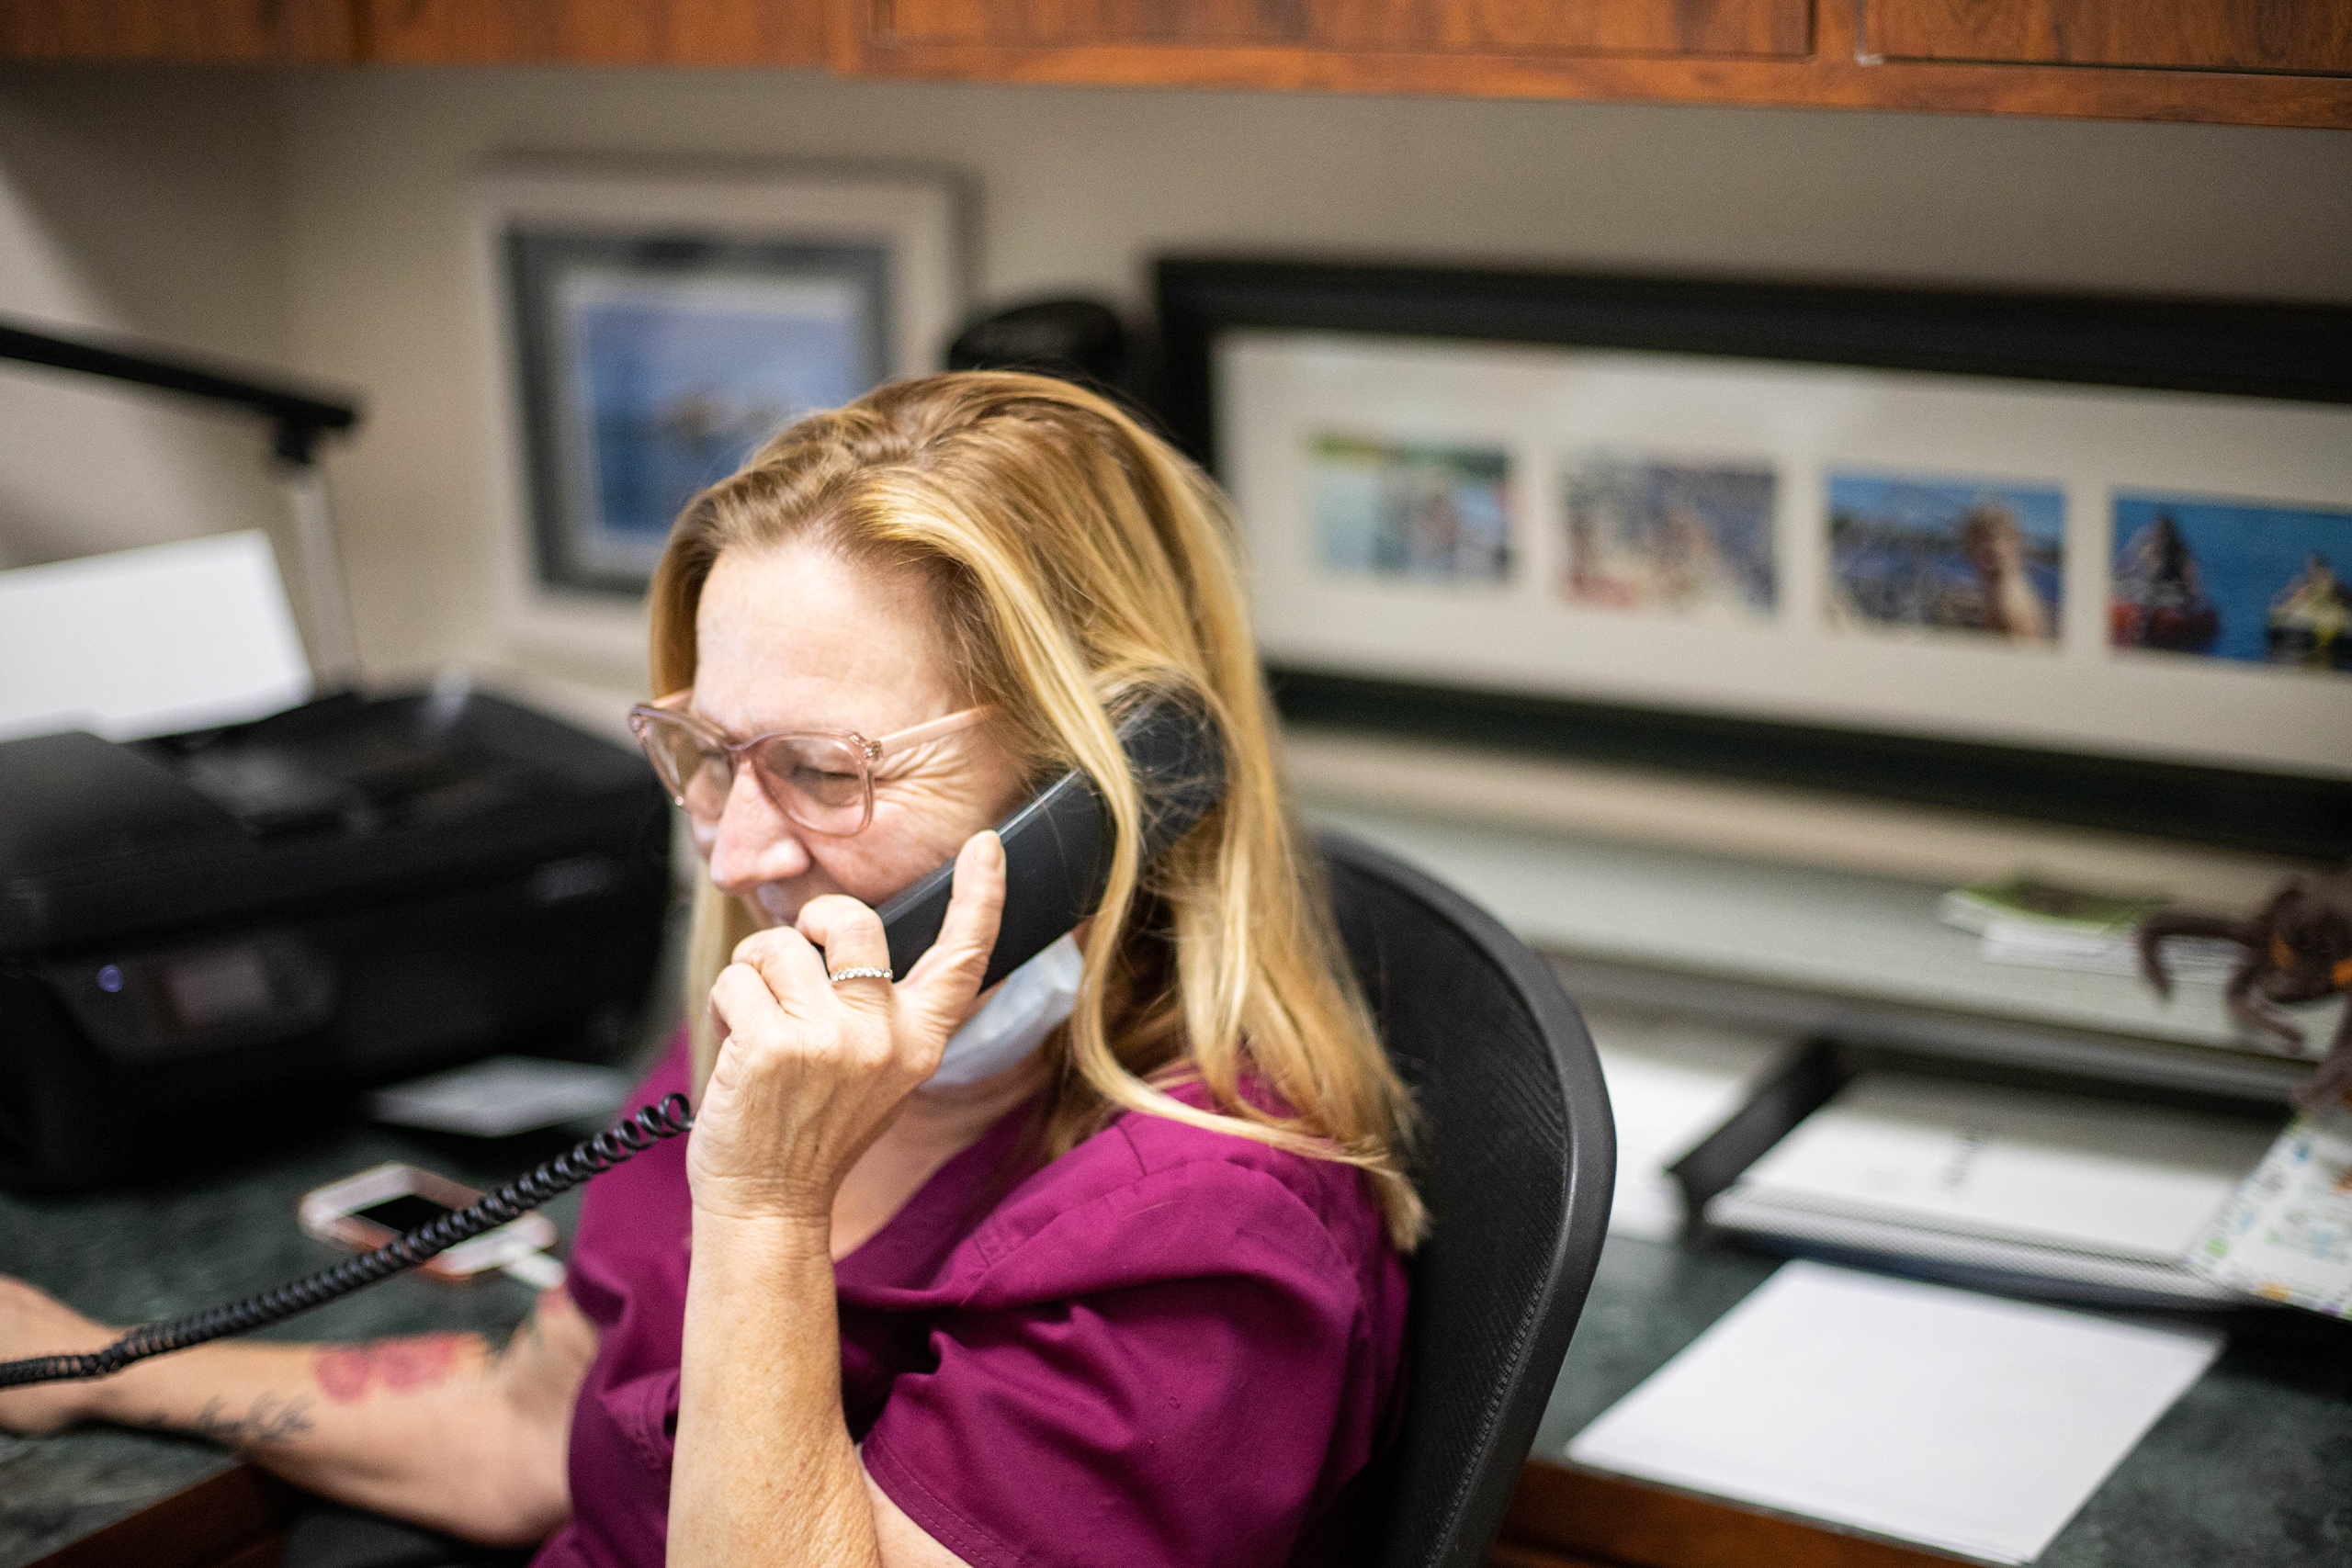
151, 1007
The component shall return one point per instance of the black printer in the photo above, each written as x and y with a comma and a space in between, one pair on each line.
207, 939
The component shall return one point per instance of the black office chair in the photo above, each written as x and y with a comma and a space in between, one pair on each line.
1519, 1155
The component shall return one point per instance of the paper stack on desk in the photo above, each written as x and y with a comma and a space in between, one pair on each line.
1672, 1080
502, 1096
2099, 1197
1966, 1422
2286, 1234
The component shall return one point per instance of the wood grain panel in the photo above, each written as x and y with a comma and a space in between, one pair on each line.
594, 32
1690, 27
241, 32
1832, 79
1684, 27
1093, 21
1575, 1514
2212, 35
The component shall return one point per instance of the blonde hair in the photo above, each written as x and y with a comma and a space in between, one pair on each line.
1080, 566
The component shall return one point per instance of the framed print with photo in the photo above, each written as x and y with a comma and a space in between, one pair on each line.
651, 326
2076, 559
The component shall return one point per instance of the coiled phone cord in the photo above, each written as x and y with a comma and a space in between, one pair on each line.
633, 1136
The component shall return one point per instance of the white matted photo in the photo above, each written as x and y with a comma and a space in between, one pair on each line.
1913, 552
646, 327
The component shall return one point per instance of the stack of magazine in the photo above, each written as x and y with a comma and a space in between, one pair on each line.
2062, 1193
2025, 920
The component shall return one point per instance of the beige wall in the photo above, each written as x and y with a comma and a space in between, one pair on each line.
139, 207
1077, 188
321, 217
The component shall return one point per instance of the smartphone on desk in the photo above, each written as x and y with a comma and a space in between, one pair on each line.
383, 1205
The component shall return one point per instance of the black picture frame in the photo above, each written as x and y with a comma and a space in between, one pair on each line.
2299, 353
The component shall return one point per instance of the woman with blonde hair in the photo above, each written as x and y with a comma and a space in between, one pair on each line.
1100, 1266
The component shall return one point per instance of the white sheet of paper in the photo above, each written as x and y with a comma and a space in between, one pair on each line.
1967, 1421
1671, 1082
148, 641
2287, 1233
2134, 1180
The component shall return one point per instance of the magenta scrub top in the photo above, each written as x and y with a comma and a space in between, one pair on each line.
1170, 1345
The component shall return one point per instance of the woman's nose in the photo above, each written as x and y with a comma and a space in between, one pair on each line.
755, 842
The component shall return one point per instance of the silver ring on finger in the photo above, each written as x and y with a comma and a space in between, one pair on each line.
838, 976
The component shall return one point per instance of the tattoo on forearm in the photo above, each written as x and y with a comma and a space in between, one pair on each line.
266, 1421
347, 1374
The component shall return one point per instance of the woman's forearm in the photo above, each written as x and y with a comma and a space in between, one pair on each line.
809, 1073
427, 1429
764, 1471
341, 1419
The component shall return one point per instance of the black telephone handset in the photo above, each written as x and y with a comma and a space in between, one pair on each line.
1057, 845
1056, 863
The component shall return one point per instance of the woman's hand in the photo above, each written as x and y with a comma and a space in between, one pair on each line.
810, 1072
33, 1323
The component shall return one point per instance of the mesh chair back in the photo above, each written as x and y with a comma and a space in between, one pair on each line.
1517, 1156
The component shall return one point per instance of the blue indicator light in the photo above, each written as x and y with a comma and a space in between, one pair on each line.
110, 979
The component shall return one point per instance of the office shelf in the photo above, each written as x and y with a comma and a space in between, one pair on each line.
1835, 951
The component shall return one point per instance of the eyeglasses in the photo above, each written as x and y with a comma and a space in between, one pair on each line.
823, 781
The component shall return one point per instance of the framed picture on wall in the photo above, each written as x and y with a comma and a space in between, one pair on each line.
653, 364
2079, 558
651, 325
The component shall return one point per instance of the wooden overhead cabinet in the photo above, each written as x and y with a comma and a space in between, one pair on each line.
1766, 27
2230, 62
2279, 63
226, 32
592, 32
2300, 36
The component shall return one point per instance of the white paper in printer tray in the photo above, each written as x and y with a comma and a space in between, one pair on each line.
1962, 1421
149, 641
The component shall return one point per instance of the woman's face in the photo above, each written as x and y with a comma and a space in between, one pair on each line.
795, 638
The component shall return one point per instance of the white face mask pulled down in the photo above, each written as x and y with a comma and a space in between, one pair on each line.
1033, 1002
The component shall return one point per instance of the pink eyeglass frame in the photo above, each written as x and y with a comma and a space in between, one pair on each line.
868, 751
